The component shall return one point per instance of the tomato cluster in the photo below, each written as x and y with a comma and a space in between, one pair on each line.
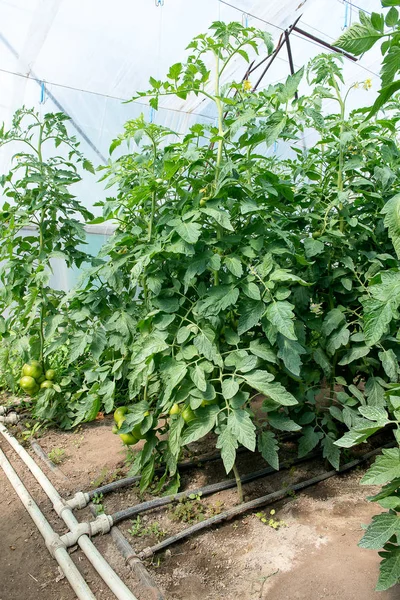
33, 378
129, 439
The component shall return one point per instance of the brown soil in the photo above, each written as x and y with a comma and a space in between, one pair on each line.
313, 556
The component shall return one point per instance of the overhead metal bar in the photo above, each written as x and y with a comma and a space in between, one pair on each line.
314, 38
290, 57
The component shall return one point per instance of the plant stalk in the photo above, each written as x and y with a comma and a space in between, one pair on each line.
238, 483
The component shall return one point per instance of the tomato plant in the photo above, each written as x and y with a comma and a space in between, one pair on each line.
380, 301
41, 221
234, 277
232, 274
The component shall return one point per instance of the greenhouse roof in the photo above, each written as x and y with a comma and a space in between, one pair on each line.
85, 58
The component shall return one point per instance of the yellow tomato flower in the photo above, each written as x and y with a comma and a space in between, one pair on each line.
367, 84
247, 85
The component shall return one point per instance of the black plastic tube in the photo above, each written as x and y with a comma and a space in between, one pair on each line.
262, 501
134, 562
189, 464
127, 481
207, 490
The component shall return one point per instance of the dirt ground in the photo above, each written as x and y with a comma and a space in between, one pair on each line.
313, 555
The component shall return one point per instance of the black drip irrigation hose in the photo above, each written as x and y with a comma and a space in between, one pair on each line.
262, 501
127, 481
207, 490
189, 464
133, 560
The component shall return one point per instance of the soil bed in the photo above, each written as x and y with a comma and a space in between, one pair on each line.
312, 555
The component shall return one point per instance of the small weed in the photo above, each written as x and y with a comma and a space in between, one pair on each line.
100, 479
32, 431
77, 443
215, 509
57, 455
270, 521
98, 501
138, 529
188, 510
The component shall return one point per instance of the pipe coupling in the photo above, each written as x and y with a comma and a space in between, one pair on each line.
11, 418
60, 506
80, 500
54, 542
71, 538
102, 525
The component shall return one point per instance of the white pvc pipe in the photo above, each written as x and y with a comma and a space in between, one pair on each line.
105, 571
61, 555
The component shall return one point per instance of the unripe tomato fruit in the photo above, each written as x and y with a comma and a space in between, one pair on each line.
120, 413
46, 384
128, 439
115, 428
32, 370
27, 382
137, 433
188, 415
50, 374
35, 363
175, 410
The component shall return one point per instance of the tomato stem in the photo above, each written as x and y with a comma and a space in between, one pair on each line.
238, 483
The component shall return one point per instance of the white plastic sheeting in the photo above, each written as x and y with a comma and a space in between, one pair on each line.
86, 56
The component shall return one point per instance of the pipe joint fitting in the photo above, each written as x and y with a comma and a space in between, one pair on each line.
71, 538
102, 524
11, 418
80, 500
55, 542
60, 506
146, 553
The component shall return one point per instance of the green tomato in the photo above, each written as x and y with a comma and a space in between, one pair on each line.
175, 409
35, 363
50, 374
27, 382
136, 432
46, 384
34, 371
188, 415
128, 439
115, 428
120, 414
